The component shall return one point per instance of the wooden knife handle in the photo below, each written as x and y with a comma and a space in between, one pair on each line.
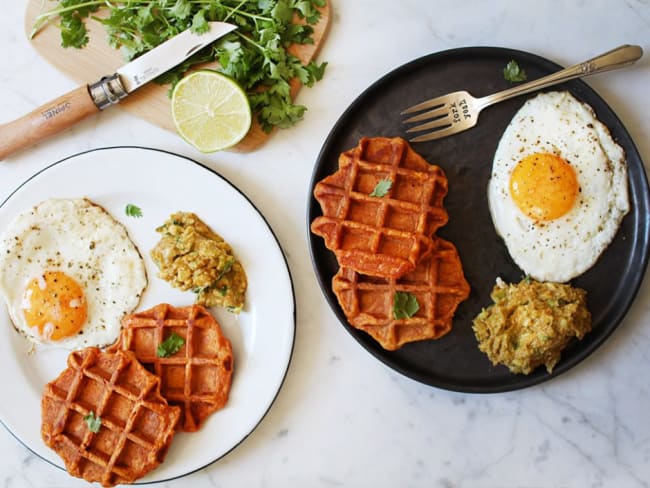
46, 121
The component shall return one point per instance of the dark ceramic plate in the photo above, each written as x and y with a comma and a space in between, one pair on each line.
454, 361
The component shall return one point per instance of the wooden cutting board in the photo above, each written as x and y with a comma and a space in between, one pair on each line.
150, 102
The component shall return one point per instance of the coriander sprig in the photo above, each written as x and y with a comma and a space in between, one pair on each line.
513, 72
255, 55
405, 305
93, 422
133, 210
170, 346
382, 188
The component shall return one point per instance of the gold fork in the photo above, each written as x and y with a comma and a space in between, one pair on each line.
459, 111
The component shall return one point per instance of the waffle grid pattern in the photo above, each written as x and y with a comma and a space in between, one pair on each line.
437, 282
197, 378
137, 425
381, 236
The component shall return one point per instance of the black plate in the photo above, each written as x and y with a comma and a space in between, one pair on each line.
454, 361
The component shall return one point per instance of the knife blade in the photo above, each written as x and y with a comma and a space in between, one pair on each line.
84, 101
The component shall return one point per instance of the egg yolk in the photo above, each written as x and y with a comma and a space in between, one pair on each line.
55, 304
544, 186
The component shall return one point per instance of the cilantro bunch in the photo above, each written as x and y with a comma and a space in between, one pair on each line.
255, 54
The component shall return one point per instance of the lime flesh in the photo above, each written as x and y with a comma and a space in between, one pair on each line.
210, 111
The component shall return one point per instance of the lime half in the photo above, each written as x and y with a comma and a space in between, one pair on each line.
210, 110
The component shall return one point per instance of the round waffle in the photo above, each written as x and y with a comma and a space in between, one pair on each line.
385, 235
198, 376
437, 282
136, 425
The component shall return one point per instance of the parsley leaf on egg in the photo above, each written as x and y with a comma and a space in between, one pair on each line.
93, 422
170, 346
513, 72
133, 210
405, 305
381, 188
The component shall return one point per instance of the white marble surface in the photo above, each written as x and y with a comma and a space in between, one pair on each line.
343, 418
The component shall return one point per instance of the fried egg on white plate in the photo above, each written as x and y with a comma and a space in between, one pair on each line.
68, 273
558, 187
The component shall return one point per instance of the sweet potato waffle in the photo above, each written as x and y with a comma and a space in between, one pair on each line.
381, 236
381, 210
136, 423
198, 376
437, 282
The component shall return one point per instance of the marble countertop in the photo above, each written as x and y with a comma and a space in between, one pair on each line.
342, 418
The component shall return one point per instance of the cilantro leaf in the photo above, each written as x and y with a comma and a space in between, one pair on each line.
199, 24
513, 72
282, 12
381, 188
94, 423
317, 71
132, 210
405, 305
170, 346
181, 9
73, 32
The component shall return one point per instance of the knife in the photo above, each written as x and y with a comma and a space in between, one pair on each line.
82, 102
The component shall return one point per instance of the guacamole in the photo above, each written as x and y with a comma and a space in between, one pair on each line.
192, 257
530, 323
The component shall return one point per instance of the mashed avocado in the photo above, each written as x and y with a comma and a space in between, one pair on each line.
530, 323
192, 257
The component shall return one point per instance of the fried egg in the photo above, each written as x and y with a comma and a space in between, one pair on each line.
558, 188
69, 273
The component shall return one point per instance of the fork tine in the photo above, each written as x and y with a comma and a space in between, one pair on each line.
439, 123
431, 114
431, 103
434, 134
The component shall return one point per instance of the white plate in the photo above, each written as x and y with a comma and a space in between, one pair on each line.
262, 336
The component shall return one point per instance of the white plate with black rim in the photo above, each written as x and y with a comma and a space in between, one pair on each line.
262, 335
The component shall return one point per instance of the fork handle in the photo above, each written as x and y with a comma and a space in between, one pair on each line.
616, 58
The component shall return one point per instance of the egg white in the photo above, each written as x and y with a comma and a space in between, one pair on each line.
563, 248
85, 242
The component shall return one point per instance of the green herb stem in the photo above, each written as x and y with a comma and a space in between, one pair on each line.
250, 41
58, 11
